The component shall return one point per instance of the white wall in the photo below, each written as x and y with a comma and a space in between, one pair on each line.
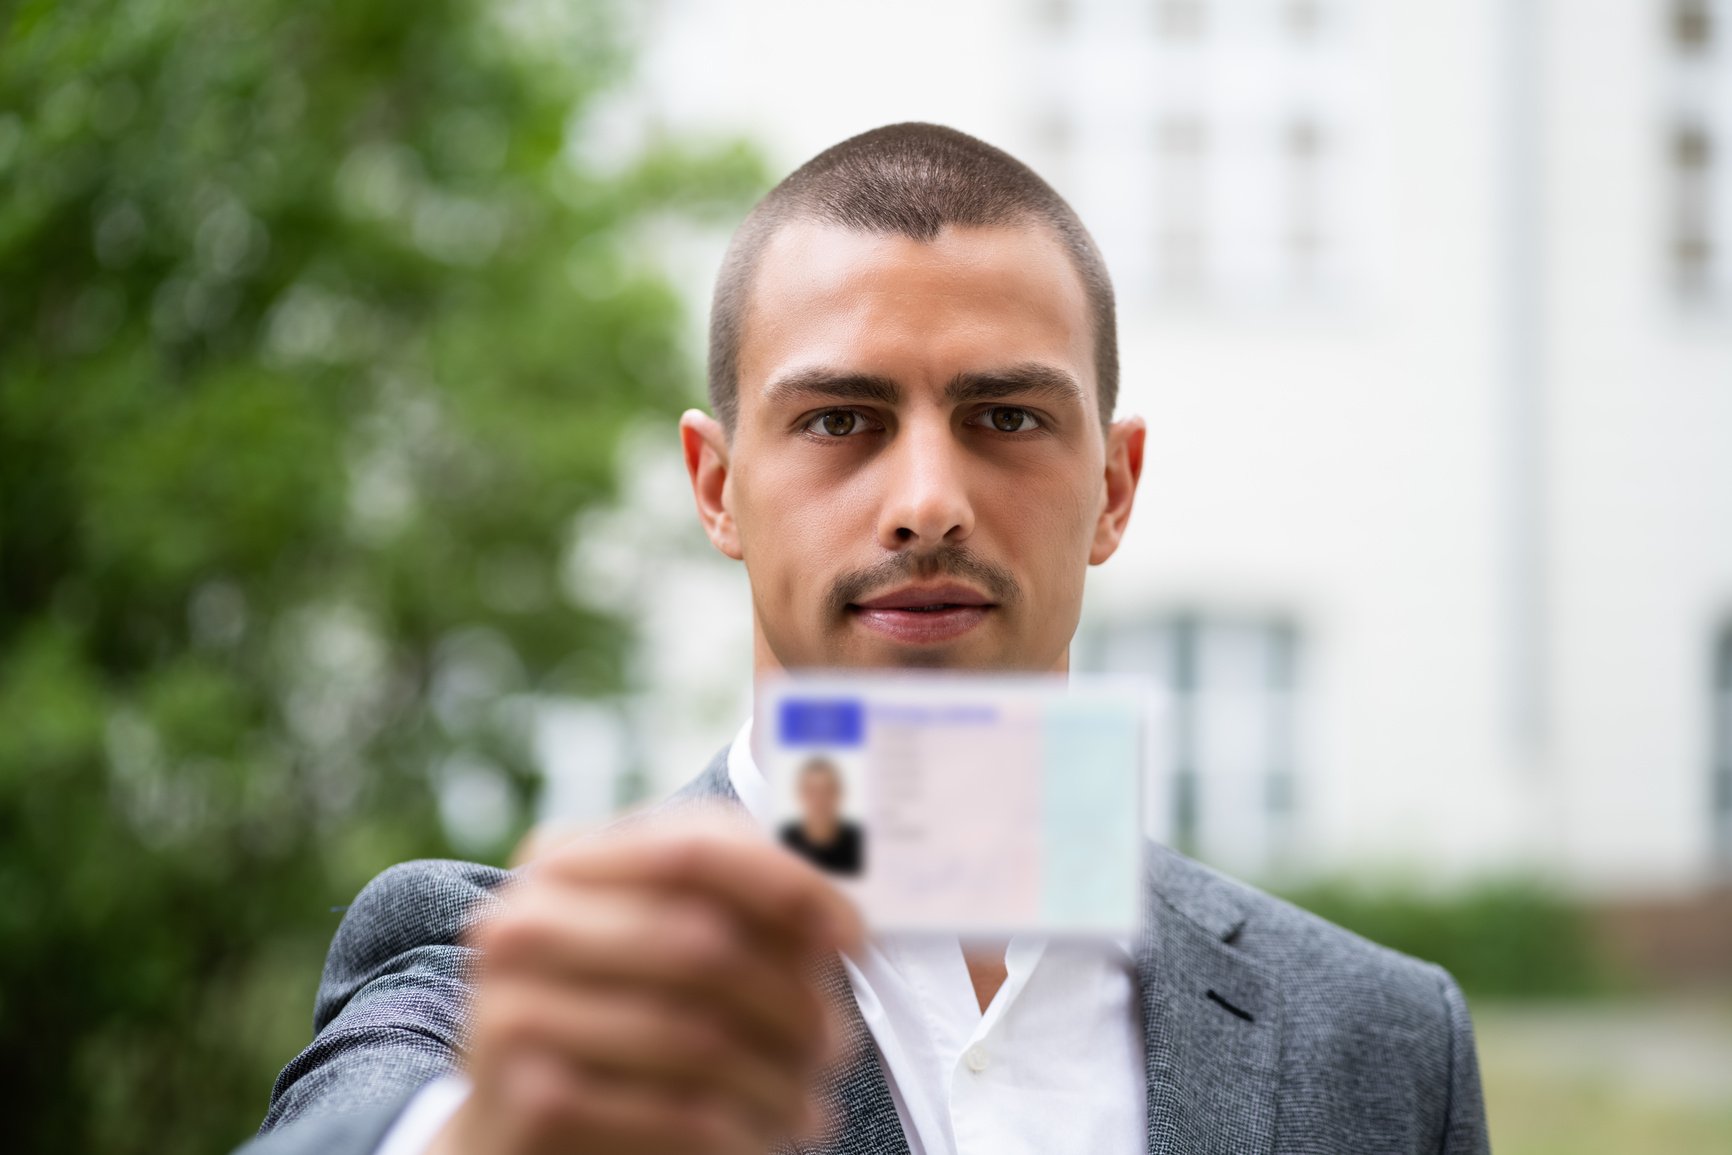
1640, 403
1487, 465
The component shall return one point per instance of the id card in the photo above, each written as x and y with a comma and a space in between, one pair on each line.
964, 804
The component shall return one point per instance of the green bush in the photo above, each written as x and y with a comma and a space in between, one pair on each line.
1508, 937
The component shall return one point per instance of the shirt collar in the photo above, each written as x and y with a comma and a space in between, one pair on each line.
744, 776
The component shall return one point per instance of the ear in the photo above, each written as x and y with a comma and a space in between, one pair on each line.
706, 448
1124, 470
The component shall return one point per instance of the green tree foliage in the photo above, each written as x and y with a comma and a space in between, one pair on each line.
319, 321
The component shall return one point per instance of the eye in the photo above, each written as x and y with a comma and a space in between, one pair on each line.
838, 423
1008, 419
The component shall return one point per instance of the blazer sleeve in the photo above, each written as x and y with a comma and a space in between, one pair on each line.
390, 1009
1464, 1126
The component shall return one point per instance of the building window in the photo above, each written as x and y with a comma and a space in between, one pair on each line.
1693, 246
1699, 195
1180, 19
1181, 144
1057, 15
1693, 239
1303, 18
1304, 239
1255, 132
1223, 776
1692, 24
1228, 155
1720, 779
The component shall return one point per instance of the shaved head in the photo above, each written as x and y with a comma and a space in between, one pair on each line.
912, 180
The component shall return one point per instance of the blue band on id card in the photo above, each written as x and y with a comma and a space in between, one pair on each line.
966, 804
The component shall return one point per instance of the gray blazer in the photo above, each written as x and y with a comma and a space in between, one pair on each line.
1266, 1029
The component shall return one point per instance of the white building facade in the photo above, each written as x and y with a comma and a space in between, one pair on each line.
1428, 307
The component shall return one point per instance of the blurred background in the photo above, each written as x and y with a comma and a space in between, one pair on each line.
342, 521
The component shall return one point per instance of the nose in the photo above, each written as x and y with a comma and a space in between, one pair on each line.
926, 501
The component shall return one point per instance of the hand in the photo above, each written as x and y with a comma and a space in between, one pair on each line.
645, 991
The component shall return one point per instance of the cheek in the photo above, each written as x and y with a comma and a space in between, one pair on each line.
1047, 516
796, 526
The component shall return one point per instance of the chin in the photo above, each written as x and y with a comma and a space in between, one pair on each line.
937, 658
964, 654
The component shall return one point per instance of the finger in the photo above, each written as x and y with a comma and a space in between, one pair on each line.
552, 1107
713, 855
682, 948
545, 837
643, 1039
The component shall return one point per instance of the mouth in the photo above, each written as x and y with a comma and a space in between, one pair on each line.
924, 614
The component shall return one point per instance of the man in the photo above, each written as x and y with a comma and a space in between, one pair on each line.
820, 834
913, 366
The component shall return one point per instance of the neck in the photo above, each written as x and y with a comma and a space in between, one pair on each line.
986, 968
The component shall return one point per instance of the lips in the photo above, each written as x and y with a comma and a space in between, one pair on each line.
946, 595
924, 614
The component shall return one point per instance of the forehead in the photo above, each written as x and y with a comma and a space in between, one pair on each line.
968, 299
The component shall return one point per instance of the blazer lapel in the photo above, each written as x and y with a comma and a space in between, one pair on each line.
1211, 1018
862, 1115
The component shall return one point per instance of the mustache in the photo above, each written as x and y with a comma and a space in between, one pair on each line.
953, 561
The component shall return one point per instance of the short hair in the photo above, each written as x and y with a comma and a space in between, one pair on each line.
910, 179
819, 764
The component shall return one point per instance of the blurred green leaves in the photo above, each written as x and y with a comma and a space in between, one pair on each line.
319, 324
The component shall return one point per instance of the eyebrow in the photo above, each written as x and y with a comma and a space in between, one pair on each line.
1031, 378
830, 383
1021, 380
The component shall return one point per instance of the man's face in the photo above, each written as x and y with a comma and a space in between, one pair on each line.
918, 475
820, 795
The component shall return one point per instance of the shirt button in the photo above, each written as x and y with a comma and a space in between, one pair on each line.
976, 1058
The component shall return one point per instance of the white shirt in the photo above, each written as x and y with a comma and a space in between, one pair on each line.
1054, 1064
